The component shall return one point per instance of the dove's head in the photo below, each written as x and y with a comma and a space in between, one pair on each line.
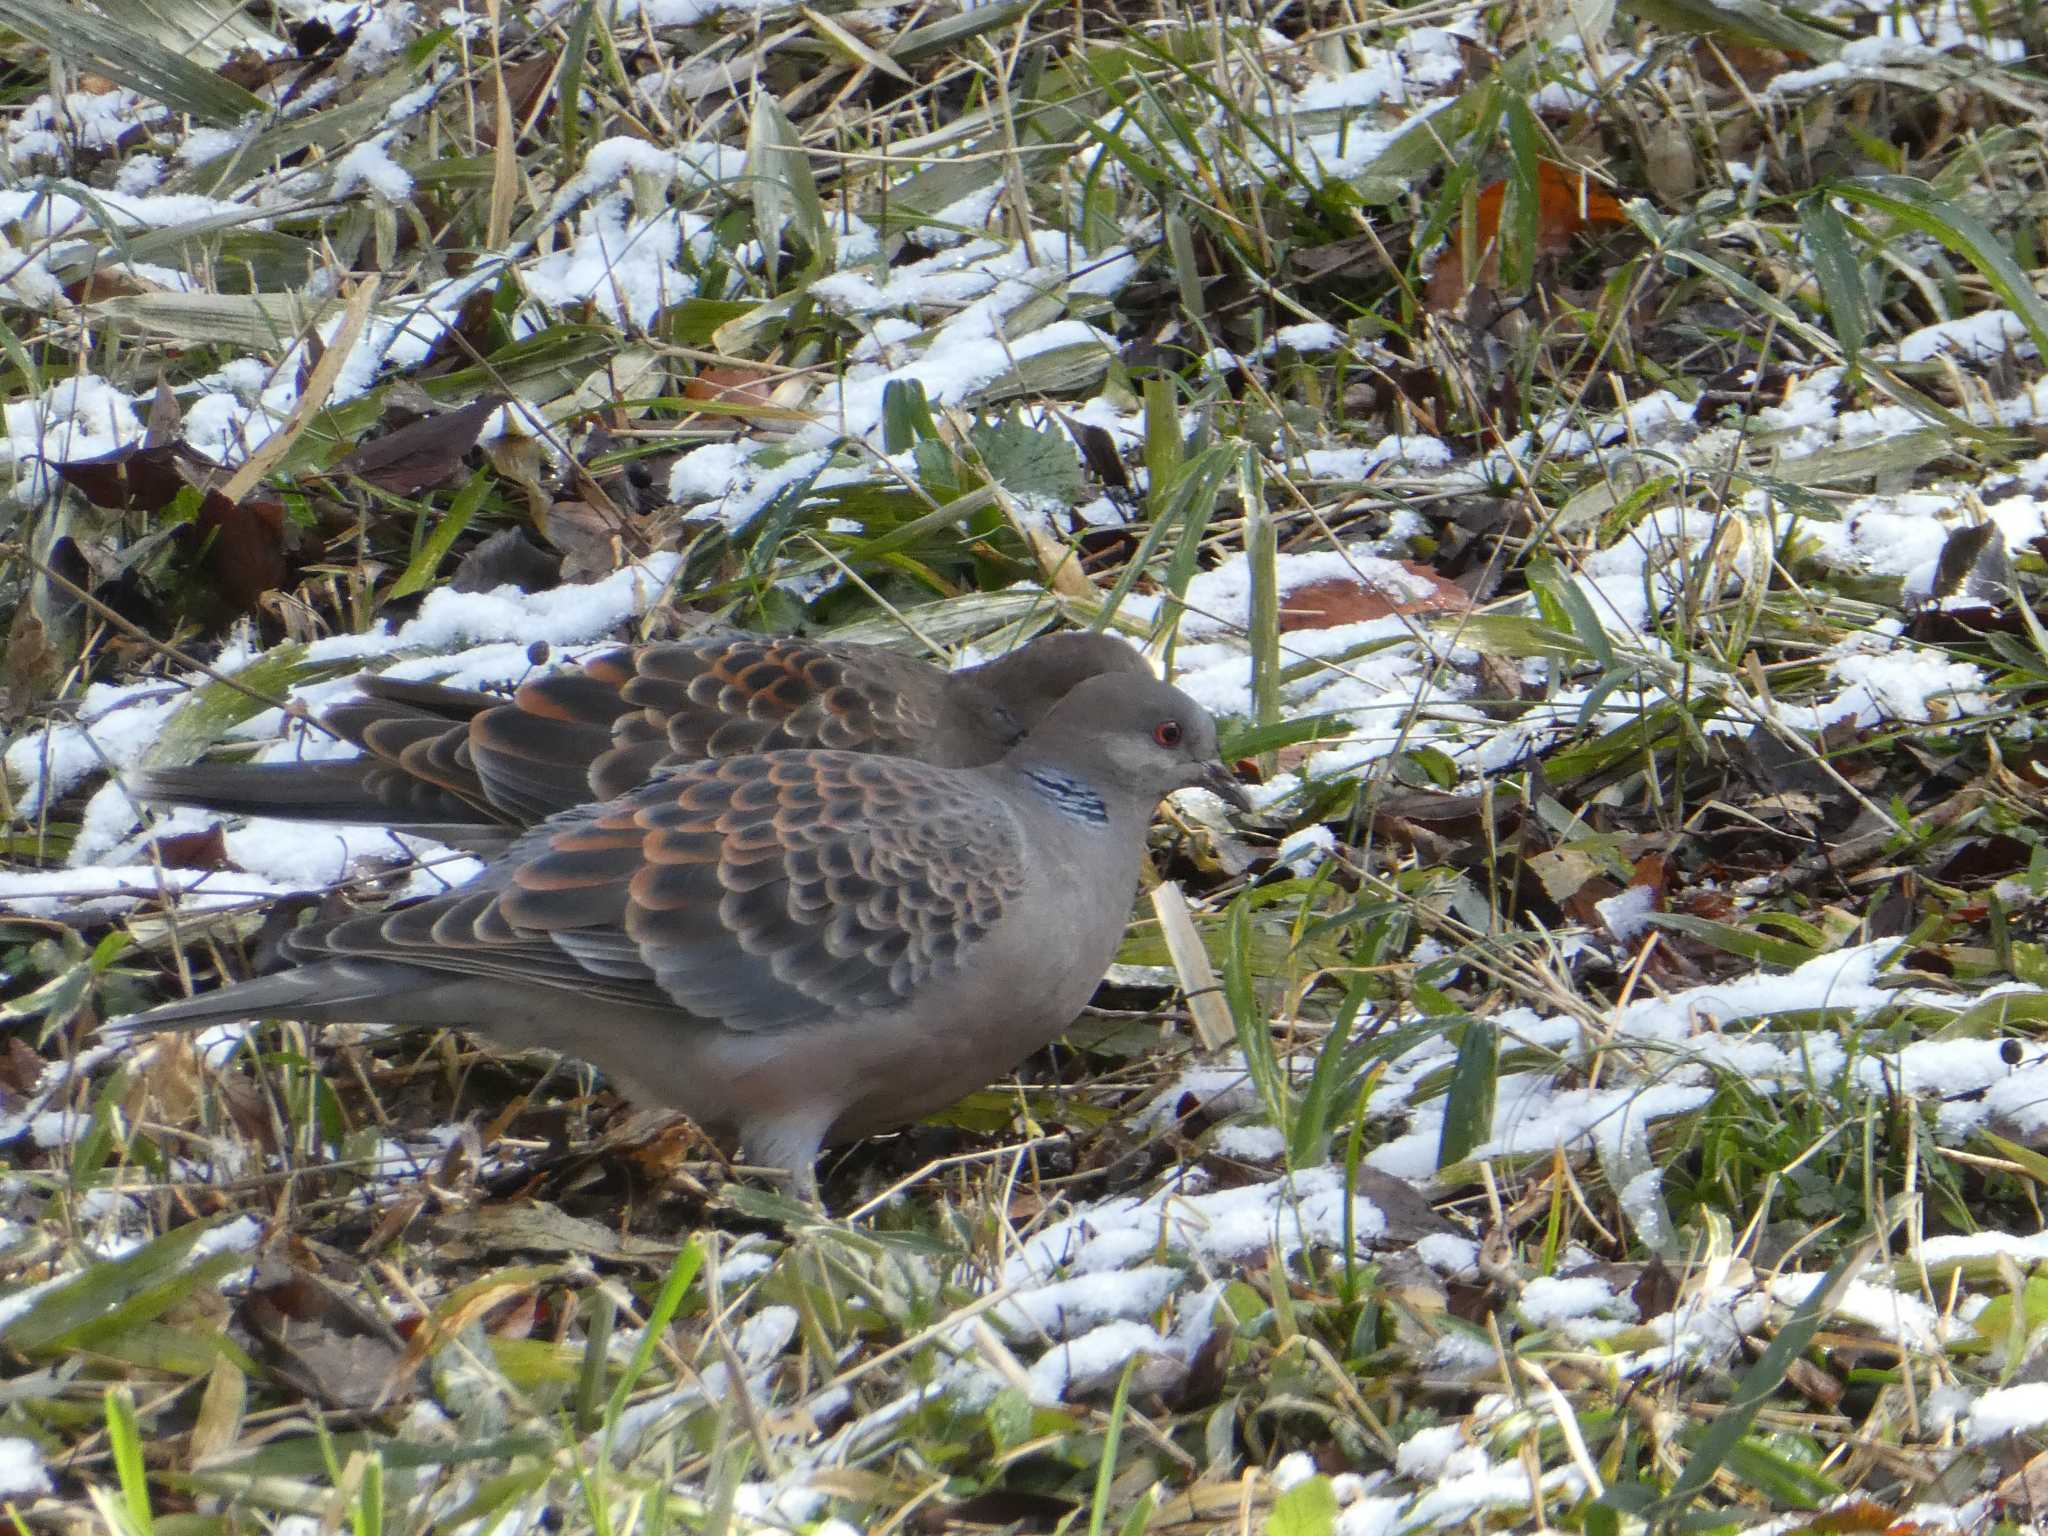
1129, 733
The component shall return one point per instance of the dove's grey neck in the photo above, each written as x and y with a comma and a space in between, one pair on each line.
1066, 794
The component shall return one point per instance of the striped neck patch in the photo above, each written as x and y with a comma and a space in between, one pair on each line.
1069, 796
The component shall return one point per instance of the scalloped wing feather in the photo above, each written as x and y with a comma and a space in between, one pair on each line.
754, 892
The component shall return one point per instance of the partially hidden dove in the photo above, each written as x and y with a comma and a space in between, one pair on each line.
794, 948
477, 769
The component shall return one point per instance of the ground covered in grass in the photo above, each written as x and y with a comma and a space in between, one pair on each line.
1590, 457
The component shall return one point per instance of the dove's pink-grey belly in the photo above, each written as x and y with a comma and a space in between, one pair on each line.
848, 1075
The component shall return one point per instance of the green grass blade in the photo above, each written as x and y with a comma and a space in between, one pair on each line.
1840, 274
673, 1289
1468, 1107
1112, 1441
124, 1439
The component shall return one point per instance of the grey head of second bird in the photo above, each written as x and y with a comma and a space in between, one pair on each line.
1027, 682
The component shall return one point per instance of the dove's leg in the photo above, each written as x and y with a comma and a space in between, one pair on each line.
790, 1143
803, 1184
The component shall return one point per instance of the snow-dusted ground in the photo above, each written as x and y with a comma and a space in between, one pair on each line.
1130, 1279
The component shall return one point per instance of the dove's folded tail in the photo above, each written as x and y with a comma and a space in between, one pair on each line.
347, 791
330, 791
329, 992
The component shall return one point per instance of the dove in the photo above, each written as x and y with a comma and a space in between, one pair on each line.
476, 769
795, 948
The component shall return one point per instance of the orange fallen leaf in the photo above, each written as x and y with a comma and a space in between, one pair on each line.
731, 386
1567, 203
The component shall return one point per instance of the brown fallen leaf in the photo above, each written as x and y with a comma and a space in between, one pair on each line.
137, 478
206, 848
524, 82
1358, 598
421, 454
590, 540
21, 1071
320, 1341
508, 557
245, 544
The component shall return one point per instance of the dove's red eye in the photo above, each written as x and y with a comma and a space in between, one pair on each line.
1167, 733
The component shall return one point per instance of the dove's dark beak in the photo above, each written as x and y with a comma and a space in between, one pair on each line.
1220, 781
